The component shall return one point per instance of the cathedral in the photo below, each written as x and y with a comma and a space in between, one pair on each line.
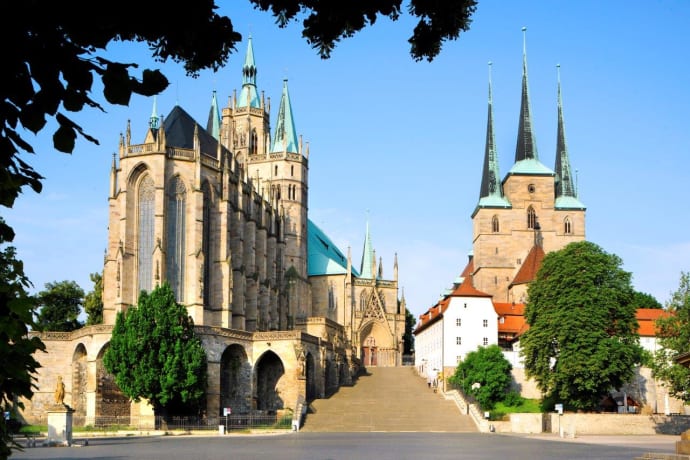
220, 213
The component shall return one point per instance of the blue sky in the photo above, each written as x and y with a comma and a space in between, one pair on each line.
400, 143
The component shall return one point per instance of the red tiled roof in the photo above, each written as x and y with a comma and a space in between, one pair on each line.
646, 319
530, 267
509, 308
467, 290
512, 324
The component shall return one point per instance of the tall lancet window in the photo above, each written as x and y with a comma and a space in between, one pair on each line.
175, 236
206, 246
145, 215
494, 224
254, 143
567, 226
531, 218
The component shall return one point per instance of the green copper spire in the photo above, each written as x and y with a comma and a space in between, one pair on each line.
526, 157
285, 138
491, 191
213, 125
154, 121
367, 268
566, 193
249, 96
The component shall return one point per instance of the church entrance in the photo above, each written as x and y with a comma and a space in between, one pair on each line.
369, 352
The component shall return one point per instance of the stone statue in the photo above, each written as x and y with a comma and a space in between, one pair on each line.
302, 364
60, 391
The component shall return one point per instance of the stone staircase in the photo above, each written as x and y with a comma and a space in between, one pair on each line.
392, 399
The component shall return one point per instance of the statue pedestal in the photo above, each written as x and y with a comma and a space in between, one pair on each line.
60, 426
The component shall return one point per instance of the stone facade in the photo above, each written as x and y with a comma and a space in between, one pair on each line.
220, 213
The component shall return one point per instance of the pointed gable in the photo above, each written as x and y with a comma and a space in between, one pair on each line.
530, 267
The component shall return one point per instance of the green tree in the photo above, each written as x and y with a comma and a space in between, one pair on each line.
155, 355
644, 300
582, 339
408, 338
60, 306
674, 338
484, 374
17, 363
93, 302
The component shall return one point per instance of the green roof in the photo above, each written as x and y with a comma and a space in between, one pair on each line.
568, 202
530, 166
324, 257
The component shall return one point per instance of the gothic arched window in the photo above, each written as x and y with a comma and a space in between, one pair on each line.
567, 226
254, 146
494, 224
145, 233
531, 218
175, 236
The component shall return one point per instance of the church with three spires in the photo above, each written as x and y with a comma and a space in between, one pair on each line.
219, 212
518, 218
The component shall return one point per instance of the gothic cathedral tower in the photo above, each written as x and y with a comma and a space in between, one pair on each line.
278, 167
534, 210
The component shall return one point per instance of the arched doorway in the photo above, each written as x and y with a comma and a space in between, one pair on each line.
235, 379
369, 356
110, 402
79, 379
269, 372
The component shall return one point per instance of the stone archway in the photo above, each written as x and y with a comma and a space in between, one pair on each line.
311, 381
79, 380
110, 401
235, 379
269, 380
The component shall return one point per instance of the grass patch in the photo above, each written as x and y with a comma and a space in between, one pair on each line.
501, 411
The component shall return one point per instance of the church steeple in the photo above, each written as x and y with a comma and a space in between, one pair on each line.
491, 191
526, 156
214, 120
285, 137
249, 96
154, 121
526, 148
565, 188
366, 270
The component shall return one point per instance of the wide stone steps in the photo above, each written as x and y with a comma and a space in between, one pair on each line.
392, 399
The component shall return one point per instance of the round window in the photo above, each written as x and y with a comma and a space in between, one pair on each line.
530, 188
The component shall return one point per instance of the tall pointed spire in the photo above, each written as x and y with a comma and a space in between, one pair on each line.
213, 125
526, 156
526, 146
491, 191
367, 257
285, 137
154, 121
566, 192
249, 97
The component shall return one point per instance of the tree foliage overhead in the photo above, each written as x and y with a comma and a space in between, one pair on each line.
326, 22
60, 305
154, 354
582, 340
50, 62
408, 337
484, 374
673, 336
17, 363
93, 302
